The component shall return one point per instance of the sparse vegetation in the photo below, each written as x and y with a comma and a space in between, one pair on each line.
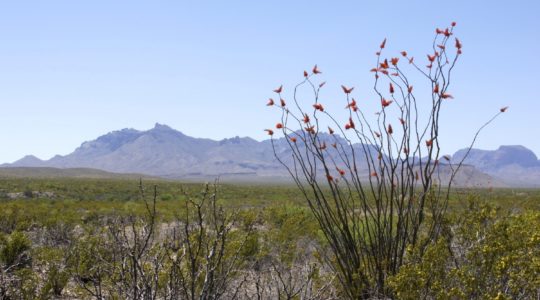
81, 242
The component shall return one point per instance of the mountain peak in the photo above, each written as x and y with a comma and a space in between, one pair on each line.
27, 161
30, 157
237, 141
159, 126
514, 148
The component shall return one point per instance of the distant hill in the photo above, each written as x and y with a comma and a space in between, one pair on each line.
514, 165
165, 152
47, 172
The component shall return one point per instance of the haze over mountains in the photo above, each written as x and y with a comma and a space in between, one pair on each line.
165, 152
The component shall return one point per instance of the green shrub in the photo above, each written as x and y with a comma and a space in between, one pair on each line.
14, 250
51, 261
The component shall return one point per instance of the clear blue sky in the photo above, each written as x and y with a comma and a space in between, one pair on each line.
73, 70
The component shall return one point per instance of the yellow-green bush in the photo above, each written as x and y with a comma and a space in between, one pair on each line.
488, 255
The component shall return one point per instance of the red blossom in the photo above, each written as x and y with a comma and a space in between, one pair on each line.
347, 90
385, 102
384, 64
318, 106
458, 44
350, 124
447, 32
383, 44
352, 104
447, 96
330, 130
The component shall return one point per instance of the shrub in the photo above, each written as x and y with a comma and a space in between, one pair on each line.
486, 256
14, 251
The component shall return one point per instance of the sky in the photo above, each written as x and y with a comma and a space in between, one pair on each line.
71, 71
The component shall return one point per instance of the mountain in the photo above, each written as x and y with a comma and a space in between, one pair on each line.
504, 156
514, 165
165, 152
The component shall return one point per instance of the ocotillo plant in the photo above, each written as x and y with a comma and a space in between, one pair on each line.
375, 187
